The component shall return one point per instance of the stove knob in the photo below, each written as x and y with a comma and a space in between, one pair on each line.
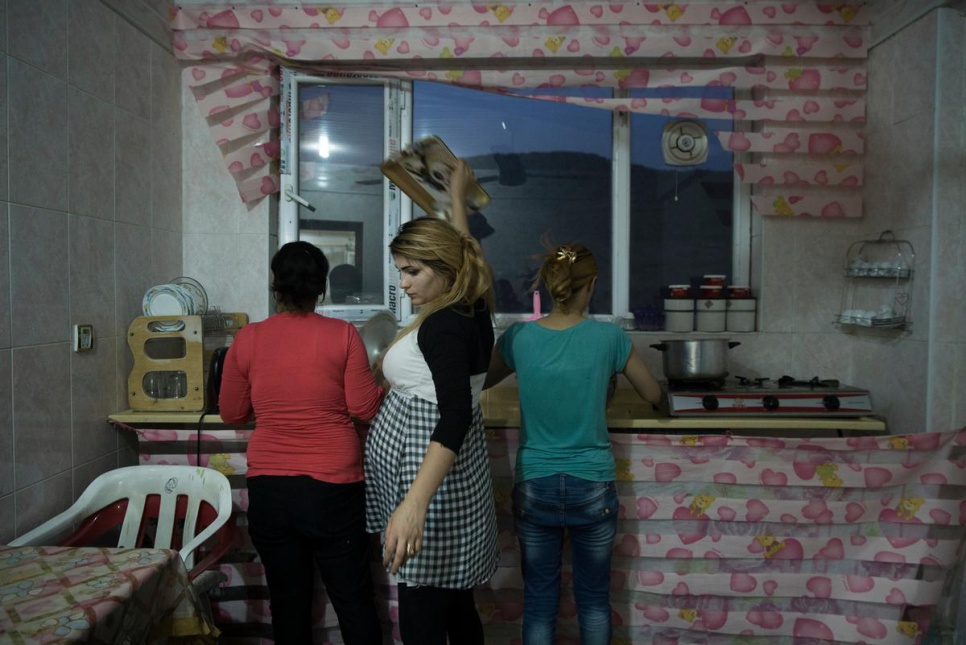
770, 403
710, 402
831, 402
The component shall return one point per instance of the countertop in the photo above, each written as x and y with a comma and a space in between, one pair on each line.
627, 412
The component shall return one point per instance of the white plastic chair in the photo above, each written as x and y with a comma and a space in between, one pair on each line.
198, 497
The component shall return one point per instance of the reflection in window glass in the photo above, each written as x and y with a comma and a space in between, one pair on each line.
547, 169
341, 143
681, 216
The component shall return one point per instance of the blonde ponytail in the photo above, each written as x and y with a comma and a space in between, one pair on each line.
566, 269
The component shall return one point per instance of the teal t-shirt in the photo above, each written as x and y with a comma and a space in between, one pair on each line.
563, 377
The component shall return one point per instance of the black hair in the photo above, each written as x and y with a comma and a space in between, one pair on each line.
299, 271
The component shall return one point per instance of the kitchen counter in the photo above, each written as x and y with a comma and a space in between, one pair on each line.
715, 458
626, 413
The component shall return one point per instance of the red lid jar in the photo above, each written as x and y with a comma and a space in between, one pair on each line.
679, 291
738, 291
714, 280
712, 291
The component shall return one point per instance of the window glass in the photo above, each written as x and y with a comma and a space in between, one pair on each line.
547, 169
681, 216
341, 143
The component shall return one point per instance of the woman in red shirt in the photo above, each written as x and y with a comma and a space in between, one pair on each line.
305, 377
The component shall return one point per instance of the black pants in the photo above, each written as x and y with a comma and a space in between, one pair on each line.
295, 522
427, 615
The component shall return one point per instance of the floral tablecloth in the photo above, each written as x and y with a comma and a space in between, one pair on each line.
98, 595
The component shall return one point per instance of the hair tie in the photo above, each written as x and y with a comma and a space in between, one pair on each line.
566, 253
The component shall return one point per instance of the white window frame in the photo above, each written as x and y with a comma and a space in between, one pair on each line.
398, 208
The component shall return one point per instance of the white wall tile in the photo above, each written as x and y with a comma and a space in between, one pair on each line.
36, 34
41, 410
235, 273
91, 155
86, 473
133, 162
7, 455
5, 302
133, 272
4, 161
37, 122
132, 70
915, 70
91, 274
39, 502
8, 515
93, 397
38, 276
91, 59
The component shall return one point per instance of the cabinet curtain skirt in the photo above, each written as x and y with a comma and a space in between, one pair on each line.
459, 547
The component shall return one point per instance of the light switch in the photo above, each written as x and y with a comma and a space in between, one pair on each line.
83, 338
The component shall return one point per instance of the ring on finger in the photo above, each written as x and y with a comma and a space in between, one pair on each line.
410, 549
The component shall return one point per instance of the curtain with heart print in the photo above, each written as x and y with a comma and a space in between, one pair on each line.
797, 71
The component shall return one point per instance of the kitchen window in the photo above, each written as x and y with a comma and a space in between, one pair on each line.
554, 171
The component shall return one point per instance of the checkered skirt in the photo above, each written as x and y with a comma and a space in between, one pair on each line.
459, 548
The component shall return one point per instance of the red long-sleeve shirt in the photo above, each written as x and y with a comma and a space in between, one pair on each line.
303, 375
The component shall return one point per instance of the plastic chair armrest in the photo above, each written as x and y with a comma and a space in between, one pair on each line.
50, 532
225, 533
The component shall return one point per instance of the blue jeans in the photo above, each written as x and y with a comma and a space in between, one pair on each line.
543, 509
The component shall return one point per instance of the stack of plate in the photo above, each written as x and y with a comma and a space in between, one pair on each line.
183, 296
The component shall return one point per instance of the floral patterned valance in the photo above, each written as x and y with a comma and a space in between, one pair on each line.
797, 71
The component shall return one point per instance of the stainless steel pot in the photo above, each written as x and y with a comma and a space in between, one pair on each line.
703, 359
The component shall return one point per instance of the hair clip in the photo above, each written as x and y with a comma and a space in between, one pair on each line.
566, 253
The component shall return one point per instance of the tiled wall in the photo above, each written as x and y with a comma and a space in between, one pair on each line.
90, 217
227, 244
914, 169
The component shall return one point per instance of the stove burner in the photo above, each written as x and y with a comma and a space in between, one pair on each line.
790, 381
758, 382
743, 396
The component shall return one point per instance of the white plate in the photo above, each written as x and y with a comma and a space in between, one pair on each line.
165, 300
195, 292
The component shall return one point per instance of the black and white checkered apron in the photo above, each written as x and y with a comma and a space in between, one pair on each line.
459, 548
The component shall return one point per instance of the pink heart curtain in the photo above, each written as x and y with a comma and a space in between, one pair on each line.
797, 69
721, 539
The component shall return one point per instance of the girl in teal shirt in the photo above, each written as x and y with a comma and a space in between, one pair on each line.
565, 474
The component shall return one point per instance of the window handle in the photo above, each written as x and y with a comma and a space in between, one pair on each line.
292, 196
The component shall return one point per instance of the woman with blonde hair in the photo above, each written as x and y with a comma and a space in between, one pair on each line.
429, 491
565, 473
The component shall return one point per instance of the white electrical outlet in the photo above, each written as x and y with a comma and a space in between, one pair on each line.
83, 338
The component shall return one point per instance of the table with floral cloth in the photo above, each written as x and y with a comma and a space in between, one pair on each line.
52, 594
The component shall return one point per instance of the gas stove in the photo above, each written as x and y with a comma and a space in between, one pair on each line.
786, 397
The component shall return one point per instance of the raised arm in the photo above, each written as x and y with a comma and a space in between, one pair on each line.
458, 185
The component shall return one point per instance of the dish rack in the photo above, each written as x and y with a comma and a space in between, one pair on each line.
879, 274
172, 355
